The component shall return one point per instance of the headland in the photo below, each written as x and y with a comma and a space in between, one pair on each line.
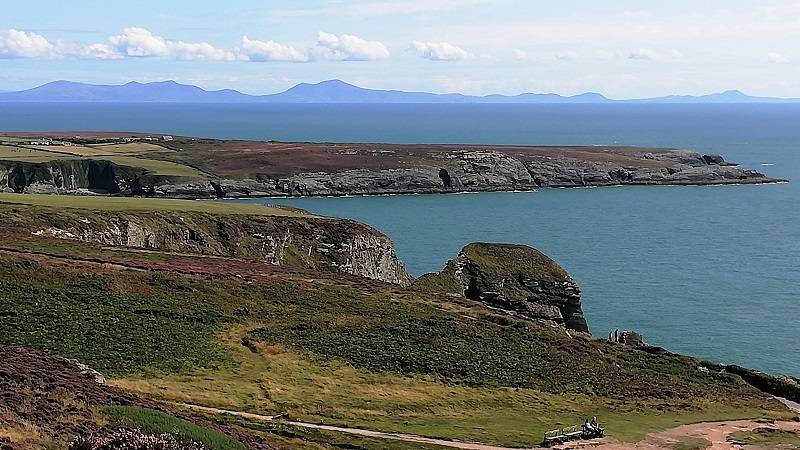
184, 167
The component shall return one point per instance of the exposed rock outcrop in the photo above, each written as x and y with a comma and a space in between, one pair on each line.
71, 176
515, 278
327, 244
468, 169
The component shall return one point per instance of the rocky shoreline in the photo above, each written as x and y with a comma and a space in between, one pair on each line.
482, 171
245, 169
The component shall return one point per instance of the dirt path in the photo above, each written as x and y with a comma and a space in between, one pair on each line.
357, 431
715, 432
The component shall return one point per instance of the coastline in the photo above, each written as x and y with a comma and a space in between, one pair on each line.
190, 168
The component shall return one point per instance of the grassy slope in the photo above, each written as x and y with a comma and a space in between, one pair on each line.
257, 347
99, 203
333, 349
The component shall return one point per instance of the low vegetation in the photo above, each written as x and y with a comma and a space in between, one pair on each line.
158, 423
103, 203
768, 438
320, 347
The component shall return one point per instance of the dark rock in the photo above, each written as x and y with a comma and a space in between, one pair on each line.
446, 182
713, 159
515, 278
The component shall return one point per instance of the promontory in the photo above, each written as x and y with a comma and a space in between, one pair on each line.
185, 167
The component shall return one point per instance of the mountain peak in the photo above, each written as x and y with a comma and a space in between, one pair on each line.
328, 91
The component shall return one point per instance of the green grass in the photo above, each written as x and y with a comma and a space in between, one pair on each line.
123, 204
300, 438
344, 353
691, 443
768, 438
27, 155
182, 338
155, 422
157, 167
498, 259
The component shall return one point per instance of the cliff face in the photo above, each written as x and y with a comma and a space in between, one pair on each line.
326, 244
514, 278
489, 170
426, 170
69, 176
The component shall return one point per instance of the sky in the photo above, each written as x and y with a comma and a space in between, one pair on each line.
621, 49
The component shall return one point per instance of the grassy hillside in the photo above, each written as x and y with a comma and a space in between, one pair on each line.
322, 347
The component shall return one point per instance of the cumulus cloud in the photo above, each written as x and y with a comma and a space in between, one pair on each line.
19, 44
519, 55
568, 55
776, 58
139, 42
440, 51
676, 53
349, 48
91, 51
643, 53
255, 50
199, 51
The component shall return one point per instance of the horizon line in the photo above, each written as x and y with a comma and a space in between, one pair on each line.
476, 96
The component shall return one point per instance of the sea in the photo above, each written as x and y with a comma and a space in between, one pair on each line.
708, 271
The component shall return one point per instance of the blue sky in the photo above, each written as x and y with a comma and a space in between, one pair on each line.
630, 49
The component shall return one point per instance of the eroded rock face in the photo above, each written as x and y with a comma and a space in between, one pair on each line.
518, 279
469, 169
326, 244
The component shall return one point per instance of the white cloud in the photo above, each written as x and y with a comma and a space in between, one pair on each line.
93, 51
519, 55
676, 53
199, 51
19, 44
260, 51
569, 55
441, 51
349, 48
643, 53
139, 42
776, 58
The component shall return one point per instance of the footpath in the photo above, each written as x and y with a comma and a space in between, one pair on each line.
716, 433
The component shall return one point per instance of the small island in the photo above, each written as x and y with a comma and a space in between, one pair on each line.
136, 164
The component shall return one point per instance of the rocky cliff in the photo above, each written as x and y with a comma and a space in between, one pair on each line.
365, 169
326, 244
515, 278
480, 170
70, 176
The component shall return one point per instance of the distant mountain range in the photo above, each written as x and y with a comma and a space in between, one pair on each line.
332, 91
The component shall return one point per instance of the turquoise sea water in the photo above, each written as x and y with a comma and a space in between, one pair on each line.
709, 271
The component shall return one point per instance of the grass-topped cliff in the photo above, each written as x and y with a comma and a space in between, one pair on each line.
167, 166
235, 331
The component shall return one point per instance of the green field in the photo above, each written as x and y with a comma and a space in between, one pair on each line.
28, 155
101, 203
133, 154
132, 148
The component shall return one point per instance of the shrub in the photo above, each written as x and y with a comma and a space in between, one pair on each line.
158, 423
132, 440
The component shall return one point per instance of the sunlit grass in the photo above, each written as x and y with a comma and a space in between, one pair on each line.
103, 203
272, 379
